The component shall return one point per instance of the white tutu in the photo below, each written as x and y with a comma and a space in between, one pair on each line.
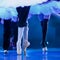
17, 3
4, 13
7, 13
46, 9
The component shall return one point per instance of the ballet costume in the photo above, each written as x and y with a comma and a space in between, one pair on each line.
44, 11
7, 15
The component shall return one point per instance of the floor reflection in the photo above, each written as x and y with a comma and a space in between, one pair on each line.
51, 54
45, 57
19, 57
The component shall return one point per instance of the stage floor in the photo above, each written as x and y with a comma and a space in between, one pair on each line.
32, 54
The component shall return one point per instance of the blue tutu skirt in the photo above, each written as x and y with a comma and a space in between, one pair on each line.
8, 13
46, 8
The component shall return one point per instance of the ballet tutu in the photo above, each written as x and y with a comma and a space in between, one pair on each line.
4, 13
22, 3
46, 8
8, 13
57, 9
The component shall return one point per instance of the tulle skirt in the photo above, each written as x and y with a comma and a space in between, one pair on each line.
17, 3
4, 14
46, 8
8, 13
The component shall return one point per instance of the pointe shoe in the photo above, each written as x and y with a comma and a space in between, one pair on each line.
25, 45
19, 50
44, 49
5, 51
25, 51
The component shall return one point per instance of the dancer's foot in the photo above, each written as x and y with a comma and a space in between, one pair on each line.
5, 51
44, 49
19, 50
25, 45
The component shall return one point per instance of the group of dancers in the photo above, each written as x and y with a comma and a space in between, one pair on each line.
19, 16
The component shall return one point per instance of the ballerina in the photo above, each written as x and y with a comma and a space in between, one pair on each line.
22, 24
44, 11
7, 15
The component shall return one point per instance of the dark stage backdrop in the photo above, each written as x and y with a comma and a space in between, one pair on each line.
35, 35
